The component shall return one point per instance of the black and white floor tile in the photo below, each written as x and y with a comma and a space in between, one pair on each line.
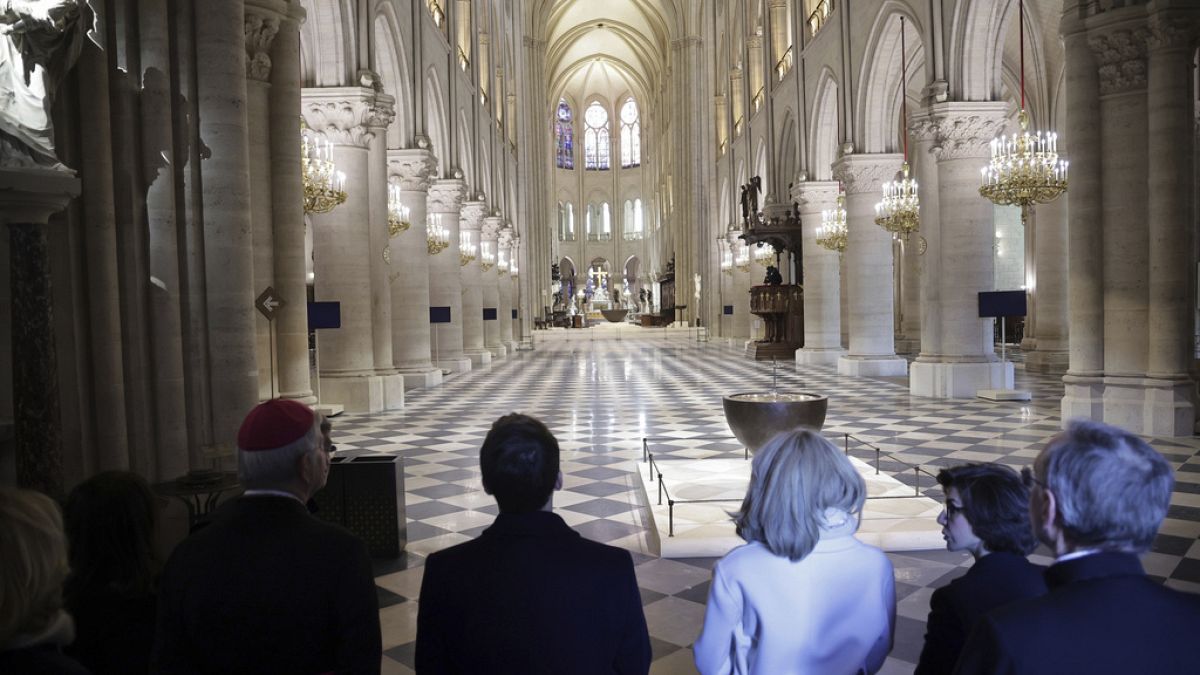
602, 394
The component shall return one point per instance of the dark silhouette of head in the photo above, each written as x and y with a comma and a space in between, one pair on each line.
519, 462
109, 521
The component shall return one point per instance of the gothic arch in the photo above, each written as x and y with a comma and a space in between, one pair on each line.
824, 139
327, 43
876, 124
391, 62
785, 155
977, 38
435, 121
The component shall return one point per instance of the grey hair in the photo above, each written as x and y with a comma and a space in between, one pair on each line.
265, 469
794, 478
1111, 488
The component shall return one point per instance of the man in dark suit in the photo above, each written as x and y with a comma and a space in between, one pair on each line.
1098, 496
987, 515
266, 587
529, 595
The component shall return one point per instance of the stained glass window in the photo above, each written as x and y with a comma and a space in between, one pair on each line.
631, 134
595, 137
564, 136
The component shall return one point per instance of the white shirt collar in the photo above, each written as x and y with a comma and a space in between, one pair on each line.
1077, 554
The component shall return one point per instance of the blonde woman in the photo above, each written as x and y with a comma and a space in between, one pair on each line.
802, 595
33, 626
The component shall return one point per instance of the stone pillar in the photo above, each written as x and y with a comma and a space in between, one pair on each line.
822, 294
958, 260
1083, 383
412, 170
381, 116
1169, 408
225, 188
342, 251
868, 259
912, 254
741, 320
445, 277
1048, 225
287, 196
28, 197
470, 223
490, 289
504, 287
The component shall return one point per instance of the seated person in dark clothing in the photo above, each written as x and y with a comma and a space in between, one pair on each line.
987, 515
529, 595
110, 522
33, 564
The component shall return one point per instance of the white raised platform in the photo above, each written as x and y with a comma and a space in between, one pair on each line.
900, 523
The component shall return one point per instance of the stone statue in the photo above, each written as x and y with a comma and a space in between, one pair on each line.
773, 278
755, 189
39, 42
745, 203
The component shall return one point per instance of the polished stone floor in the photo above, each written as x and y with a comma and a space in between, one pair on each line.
603, 391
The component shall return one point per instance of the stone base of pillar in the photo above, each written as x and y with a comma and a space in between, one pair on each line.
1082, 397
456, 365
359, 393
479, 358
818, 357
1047, 361
421, 378
1150, 406
510, 346
872, 366
393, 391
939, 379
908, 345
307, 398
498, 351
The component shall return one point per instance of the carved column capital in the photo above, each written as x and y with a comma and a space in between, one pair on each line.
381, 114
959, 129
471, 218
260, 31
815, 195
1172, 31
344, 115
1121, 59
866, 172
491, 227
446, 195
413, 170
504, 237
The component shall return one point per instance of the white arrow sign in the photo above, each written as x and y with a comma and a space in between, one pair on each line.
268, 302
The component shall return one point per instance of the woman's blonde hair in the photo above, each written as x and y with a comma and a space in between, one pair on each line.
35, 562
794, 478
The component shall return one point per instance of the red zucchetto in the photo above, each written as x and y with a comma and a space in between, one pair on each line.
274, 424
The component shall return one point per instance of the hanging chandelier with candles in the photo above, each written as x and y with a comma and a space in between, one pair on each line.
1025, 167
437, 237
899, 212
741, 256
466, 249
726, 256
398, 213
324, 185
502, 262
487, 257
832, 234
764, 254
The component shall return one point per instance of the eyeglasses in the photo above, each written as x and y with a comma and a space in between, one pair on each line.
1030, 480
952, 509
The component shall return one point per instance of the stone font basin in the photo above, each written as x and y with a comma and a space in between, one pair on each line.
614, 315
754, 418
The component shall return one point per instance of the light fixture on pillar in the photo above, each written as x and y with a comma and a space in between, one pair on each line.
437, 238
726, 256
764, 254
512, 267
324, 185
466, 249
398, 213
832, 234
899, 212
1025, 168
487, 256
741, 256
502, 261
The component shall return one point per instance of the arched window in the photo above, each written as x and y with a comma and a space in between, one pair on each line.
632, 223
564, 136
605, 222
595, 137
627, 219
631, 134
570, 222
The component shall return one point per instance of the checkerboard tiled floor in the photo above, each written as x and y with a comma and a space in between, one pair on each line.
602, 396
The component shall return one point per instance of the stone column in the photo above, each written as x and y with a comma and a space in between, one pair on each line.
381, 264
287, 195
445, 277
1169, 406
913, 252
490, 289
868, 268
470, 223
225, 190
741, 320
959, 255
1049, 287
342, 251
1083, 383
504, 287
822, 295
412, 170
28, 197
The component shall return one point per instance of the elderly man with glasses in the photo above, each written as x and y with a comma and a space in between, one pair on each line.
1097, 497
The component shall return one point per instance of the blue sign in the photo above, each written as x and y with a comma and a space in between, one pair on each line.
324, 315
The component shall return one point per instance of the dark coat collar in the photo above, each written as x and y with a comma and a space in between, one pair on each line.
1094, 566
533, 524
1000, 559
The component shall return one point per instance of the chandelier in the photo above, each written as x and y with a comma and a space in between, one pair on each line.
726, 256
899, 212
437, 237
1025, 168
502, 262
512, 267
741, 258
324, 185
397, 212
486, 257
466, 249
764, 254
832, 234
